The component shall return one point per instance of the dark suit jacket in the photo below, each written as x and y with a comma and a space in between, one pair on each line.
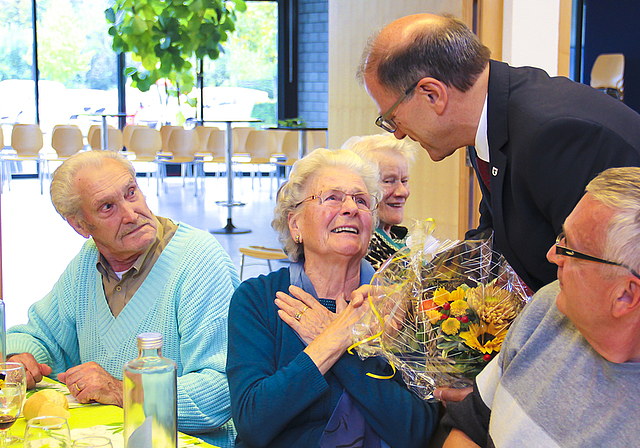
548, 137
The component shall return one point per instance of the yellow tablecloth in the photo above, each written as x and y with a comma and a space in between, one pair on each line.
105, 419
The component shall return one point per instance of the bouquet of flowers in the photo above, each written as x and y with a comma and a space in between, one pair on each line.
439, 312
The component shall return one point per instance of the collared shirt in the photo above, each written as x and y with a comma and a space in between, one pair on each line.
482, 141
120, 287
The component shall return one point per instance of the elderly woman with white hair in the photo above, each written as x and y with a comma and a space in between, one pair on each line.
392, 157
292, 382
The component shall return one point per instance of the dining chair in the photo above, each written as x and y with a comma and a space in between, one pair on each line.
145, 144
286, 155
607, 74
315, 139
165, 132
184, 146
259, 146
66, 140
127, 131
214, 147
26, 141
262, 253
114, 137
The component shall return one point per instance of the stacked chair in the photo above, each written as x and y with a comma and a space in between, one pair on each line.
145, 143
26, 141
184, 146
114, 138
66, 140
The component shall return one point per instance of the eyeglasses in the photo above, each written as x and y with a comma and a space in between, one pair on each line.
563, 250
335, 198
387, 123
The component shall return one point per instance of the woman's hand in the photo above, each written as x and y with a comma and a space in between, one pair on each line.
327, 335
304, 314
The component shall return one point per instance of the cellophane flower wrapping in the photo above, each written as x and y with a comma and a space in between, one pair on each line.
440, 311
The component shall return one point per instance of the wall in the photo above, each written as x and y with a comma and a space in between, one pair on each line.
531, 33
612, 27
435, 186
313, 65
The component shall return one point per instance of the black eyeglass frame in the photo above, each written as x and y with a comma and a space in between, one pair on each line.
565, 251
386, 123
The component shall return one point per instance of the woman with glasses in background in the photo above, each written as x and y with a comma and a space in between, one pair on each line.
392, 157
291, 381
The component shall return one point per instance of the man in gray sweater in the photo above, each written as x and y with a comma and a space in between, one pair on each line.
567, 373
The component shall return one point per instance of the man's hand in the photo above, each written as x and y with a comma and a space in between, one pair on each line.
89, 383
445, 394
33, 369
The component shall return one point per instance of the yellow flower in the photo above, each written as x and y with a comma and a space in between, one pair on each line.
495, 305
433, 316
484, 337
451, 326
458, 294
459, 308
441, 296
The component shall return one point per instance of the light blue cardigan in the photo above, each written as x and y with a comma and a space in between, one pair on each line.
185, 297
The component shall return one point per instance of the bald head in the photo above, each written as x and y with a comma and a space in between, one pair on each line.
424, 45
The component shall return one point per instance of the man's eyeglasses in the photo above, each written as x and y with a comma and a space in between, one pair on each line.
387, 123
563, 250
335, 198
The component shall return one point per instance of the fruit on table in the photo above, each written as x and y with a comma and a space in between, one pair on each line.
46, 402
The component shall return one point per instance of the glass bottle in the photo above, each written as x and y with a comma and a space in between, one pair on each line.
3, 333
150, 397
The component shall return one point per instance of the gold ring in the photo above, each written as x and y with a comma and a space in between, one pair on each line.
77, 387
299, 314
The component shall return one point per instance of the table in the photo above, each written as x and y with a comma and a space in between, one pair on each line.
103, 126
95, 419
105, 133
302, 136
229, 203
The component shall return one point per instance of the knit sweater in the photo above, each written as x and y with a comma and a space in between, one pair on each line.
185, 298
279, 398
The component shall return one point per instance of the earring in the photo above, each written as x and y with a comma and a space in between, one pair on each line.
298, 239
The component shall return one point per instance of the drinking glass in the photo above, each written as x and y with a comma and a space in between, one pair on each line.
93, 441
12, 395
50, 432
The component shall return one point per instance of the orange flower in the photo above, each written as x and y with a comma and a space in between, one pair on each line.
426, 305
433, 315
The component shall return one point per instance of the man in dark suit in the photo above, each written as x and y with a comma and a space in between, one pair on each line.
535, 141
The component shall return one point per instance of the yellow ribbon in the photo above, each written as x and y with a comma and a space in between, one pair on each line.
371, 338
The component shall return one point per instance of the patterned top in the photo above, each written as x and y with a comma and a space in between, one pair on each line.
382, 246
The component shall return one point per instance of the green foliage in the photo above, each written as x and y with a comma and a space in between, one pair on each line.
62, 41
265, 112
165, 36
251, 53
297, 122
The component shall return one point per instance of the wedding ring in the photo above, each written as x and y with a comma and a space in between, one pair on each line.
299, 314
77, 387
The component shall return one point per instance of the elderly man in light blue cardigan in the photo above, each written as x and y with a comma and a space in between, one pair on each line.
136, 273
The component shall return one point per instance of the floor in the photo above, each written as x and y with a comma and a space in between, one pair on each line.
37, 243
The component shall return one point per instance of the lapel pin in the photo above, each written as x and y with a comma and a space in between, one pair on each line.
494, 171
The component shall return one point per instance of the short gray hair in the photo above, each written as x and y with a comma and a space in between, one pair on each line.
368, 146
291, 193
66, 199
619, 189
